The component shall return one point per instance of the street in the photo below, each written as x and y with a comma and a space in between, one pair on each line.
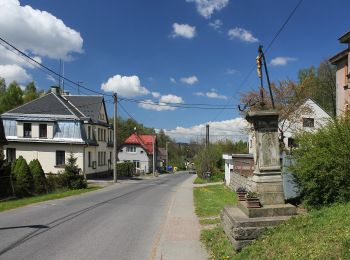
121, 221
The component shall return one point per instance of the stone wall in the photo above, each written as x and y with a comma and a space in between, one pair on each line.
238, 180
241, 176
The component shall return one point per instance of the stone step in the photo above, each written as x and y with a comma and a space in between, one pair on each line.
267, 210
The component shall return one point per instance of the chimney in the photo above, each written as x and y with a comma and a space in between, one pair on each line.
65, 93
56, 90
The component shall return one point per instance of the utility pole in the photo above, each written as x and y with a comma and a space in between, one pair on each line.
166, 156
154, 153
207, 137
79, 83
115, 174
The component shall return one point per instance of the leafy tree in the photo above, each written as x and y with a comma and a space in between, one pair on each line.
11, 98
6, 188
40, 185
2, 86
322, 165
30, 92
23, 178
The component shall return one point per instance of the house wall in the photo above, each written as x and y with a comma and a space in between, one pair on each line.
94, 157
342, 95
46, 153
139, 155
228, 168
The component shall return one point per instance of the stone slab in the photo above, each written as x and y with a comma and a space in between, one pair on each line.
276, 210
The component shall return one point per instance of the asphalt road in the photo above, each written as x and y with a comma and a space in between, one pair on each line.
121, 221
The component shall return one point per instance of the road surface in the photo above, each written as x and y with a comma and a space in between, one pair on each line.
122, 221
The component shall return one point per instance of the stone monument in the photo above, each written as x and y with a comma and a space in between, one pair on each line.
242, 224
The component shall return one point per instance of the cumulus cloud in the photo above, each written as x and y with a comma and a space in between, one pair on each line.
171, 99
38, 32
281, 61
8, 57
216, 25
213, 93
14, 72
156, 94
157, 106
125, 86
190, 80
183, 30
172, 80
207, 7
242, 34
233, 129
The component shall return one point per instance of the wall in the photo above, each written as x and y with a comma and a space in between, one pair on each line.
139, 155
46, 153
342, 95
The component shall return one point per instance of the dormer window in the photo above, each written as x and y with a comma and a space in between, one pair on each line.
131, 149
43, 131
27, 130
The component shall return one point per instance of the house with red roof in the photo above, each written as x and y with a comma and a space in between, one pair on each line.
139, 150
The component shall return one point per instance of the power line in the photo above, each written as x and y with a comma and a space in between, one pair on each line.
48, 69
266, 50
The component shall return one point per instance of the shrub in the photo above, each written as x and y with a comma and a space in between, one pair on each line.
5, 178
322, 165
125, 169
57, 181
23, 178
71, 171
40, 185
208, 160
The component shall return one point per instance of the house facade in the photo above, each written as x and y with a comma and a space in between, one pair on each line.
53, 126
139, 150
342, 60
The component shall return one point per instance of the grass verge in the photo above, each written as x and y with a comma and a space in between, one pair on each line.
214, 178
210, 200
209, 221
219, 247
15, 203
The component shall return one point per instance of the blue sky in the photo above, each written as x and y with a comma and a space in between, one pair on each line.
156, 41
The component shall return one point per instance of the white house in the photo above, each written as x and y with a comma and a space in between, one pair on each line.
139, 150
308, 117
228, 167
51, 127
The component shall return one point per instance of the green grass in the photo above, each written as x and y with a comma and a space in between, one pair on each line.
215, 178
217, 244
209, 221
321, 234
15, 203
210, 200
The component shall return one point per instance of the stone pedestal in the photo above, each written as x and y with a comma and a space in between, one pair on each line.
242, 224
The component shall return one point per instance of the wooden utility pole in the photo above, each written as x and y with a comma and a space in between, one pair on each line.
166, 158
154, 153
115, 157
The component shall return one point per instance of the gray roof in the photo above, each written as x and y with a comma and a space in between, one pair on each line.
2, 133
53, 105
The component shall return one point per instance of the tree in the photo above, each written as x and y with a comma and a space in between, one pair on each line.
30, 92
2, 86
24, 182
11, 98
40, 184
71, 170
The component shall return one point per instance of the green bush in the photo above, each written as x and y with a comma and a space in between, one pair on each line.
23, 179
58, 181
322, 164
208, 160
125, 169
36, 170
72, 173
5, 178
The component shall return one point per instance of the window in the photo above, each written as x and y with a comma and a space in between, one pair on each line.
291, 143
110, 158
131, 149
60, 158
27, 130
101, 158
89, 132
89, 159
136, 164
308, 122
43, 130
99, 134
10, 155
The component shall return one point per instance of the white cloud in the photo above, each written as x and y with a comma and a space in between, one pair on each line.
242, 34
232, 71
172, 80
207, 7
38, 32
200, 94
234, 129
155, 94
125, 86
217, 24
14, 72
171, 99
183, 30
7, 57
281, 61
190, 80
214, 94
157, 106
